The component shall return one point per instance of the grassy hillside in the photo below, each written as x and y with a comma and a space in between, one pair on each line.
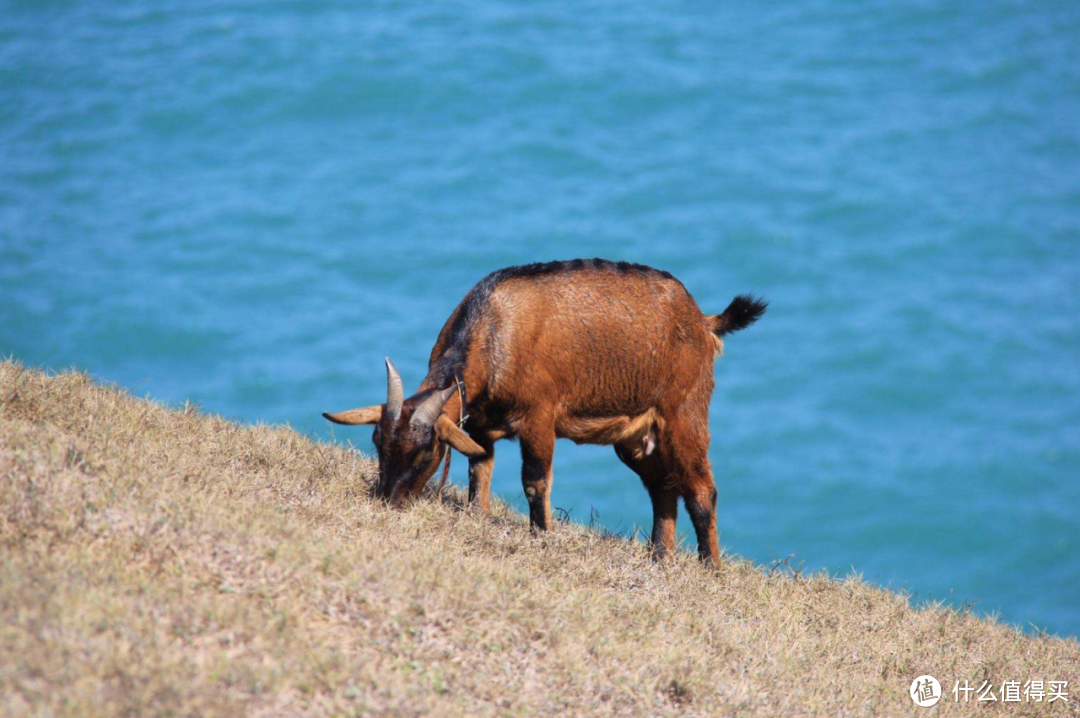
165, 562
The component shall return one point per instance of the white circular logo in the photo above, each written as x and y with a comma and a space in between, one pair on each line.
925, 691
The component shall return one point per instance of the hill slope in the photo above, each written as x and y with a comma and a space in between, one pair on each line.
165, 562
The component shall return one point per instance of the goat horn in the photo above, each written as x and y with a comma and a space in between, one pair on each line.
395, 392
428, 413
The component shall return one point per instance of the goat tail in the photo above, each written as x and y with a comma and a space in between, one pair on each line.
743, 311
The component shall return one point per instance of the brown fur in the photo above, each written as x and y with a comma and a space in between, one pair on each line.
591, 351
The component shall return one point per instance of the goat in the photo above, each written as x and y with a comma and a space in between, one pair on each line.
593, 351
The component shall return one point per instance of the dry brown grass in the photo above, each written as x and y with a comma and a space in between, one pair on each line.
165, 562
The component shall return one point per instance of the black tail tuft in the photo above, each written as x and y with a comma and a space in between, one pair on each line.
743, 311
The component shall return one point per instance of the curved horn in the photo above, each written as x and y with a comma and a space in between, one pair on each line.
365, 415
395, 392
428, 412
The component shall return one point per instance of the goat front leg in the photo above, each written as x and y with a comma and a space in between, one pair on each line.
480, 475
537, 449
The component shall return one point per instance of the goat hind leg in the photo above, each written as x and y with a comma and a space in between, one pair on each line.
665, 500
665, 514
700, 498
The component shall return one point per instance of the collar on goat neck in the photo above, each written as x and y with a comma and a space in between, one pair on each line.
463, 400
456, 407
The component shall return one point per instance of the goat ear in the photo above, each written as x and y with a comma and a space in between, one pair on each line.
366, 415
452, 434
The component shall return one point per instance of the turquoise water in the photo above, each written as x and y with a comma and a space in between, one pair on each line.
250, 204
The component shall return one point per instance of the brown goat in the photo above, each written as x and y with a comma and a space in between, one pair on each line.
594, 351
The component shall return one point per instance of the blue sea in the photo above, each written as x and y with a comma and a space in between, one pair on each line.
250, 204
